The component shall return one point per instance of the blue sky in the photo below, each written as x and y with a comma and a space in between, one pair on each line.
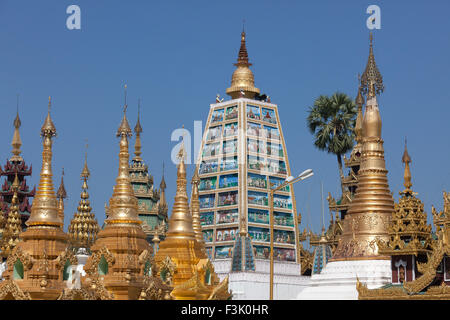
177, 55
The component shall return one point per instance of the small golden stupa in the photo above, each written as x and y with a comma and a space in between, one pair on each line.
181, 260
121, 256
36, 268
83, 228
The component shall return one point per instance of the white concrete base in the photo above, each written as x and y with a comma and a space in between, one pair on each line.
337, 281
76, 272
3, 268
255, 285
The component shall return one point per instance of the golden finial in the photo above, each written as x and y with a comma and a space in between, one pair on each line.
16, 141
125, 89
85, 173
61, 193
406, 159
242, 79
359, 98
138, 131
48, 128
124, 127
162, 185
44, 210
372, 80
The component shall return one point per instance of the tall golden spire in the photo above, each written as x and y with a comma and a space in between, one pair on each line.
83, 228
180, 224
13, 226
181, 258
242, 79
122, 242
123, 205
162, 203
195, 208
16, 141
61, 194
373, 200
138, 131
45, 209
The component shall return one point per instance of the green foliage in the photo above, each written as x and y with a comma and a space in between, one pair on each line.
331, 120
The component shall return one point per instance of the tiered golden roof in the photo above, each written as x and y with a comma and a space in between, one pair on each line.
13, 225
408, 230
180, 260
370, 211
426, 286
83, 228
39, 260
242, 81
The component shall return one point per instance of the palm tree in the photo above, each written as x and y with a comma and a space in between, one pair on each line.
331, 120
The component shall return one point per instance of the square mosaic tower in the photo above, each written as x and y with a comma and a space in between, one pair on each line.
243, 155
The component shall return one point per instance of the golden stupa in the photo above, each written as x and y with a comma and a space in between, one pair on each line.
36, 266
181, 260
121, 257
367, 219
242, 81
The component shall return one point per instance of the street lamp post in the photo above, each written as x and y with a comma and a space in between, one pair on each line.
289, 181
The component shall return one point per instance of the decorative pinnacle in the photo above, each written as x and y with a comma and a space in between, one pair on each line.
162, 185
16, 141
406, 159
48, 128
17, 122
124, 128
15, 185
61, 193
85, 172
359, 98
138, 128
195, 178
372, 80
243, 54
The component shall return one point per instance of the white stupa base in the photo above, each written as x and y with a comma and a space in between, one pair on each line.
337, 281
77, 271
255, 285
